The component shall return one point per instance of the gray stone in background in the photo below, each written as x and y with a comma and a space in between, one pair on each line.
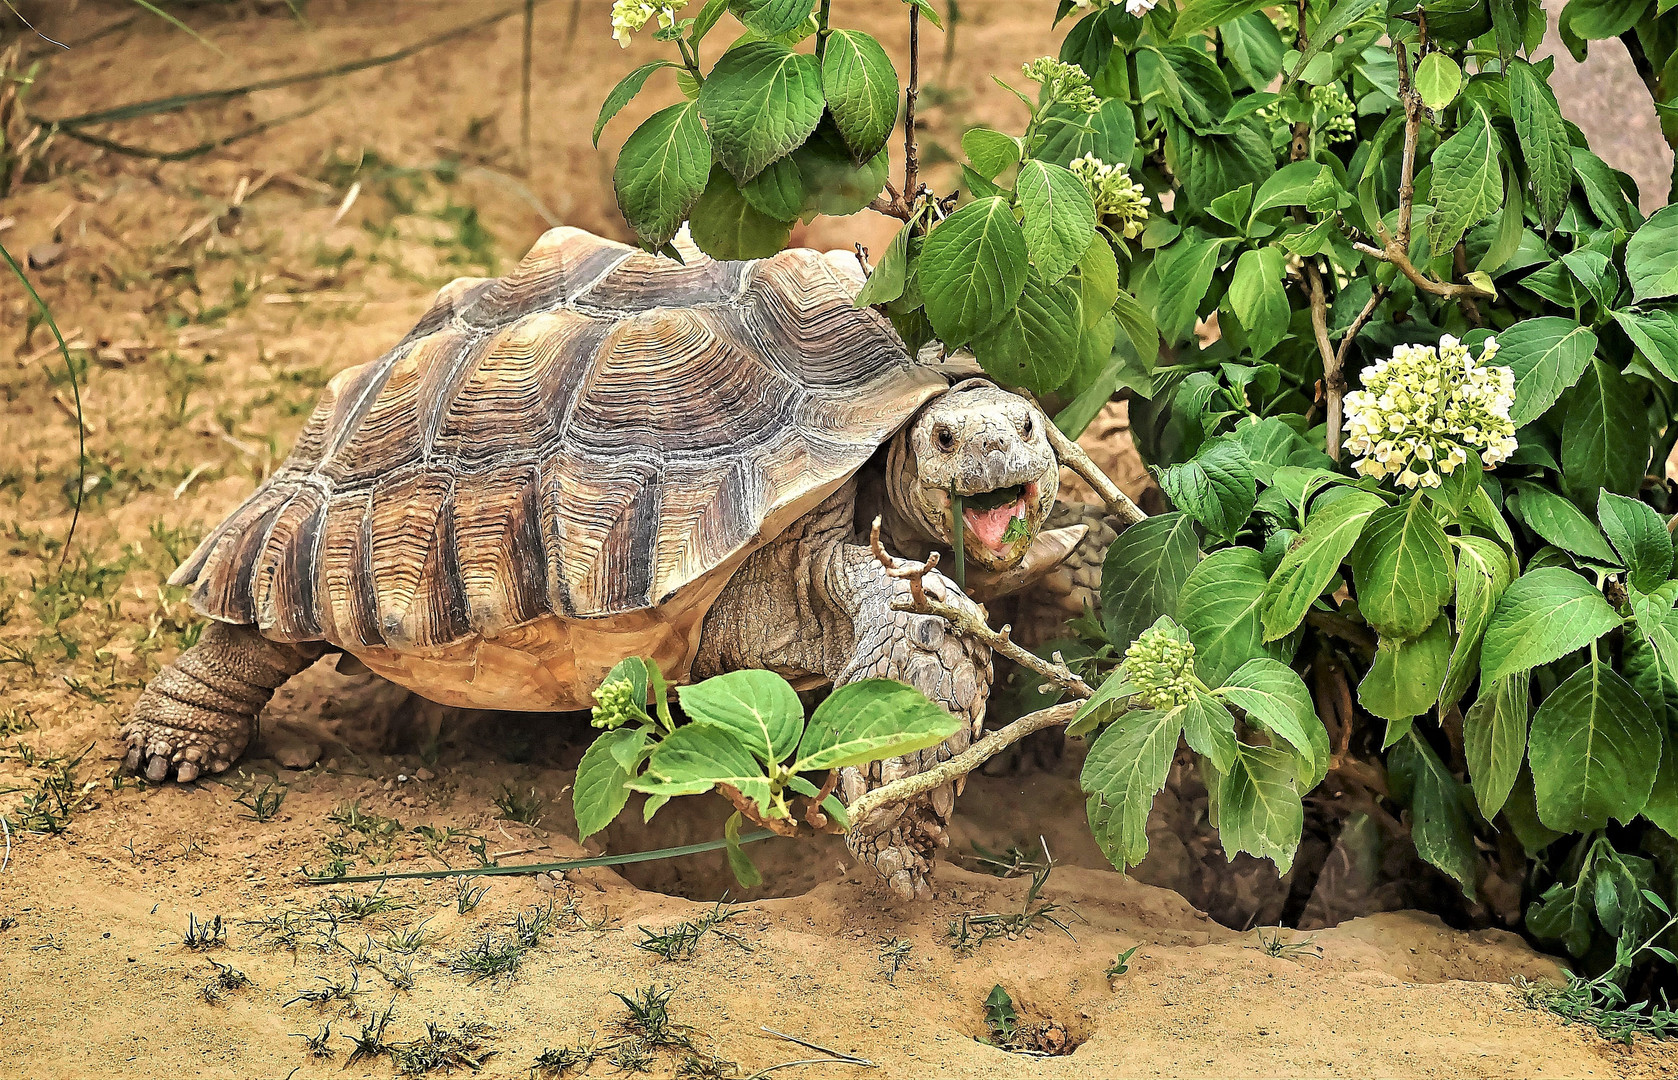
1608, 101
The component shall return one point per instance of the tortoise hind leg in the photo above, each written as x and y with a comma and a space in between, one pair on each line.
199, 713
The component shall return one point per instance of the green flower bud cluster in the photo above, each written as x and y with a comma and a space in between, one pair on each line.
1330, 114
1161, 667
1066, 83
619, 704
1116, 196
1425, 409
629, 16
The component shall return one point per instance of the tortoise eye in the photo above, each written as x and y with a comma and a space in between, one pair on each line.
946, 438
1026, 428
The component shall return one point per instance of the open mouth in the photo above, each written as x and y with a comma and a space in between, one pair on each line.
997, 519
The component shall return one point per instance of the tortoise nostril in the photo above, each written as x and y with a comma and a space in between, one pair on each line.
1025, 428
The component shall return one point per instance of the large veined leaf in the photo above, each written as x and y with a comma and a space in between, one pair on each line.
1143, 570
1405, 679
1259, 810
1209, 729
891, 273
1219, 606
1402, 567
1655, 333
1035, 343
1438, 78
623, 93
779, 190
1202, 14
1313, 560
695, 757
990, 152
1548, 355
1594, 748
861, 89
1124, 770
1602, 19
1439, 824
1483, 572
1275, 697
868, 720
760, 102
1216, 487
1259, 298
1544, 142
1652, 256
661, 172
1185, 274
1542, 616
1195, 88
1109, 133
1467, 181
726, 226
1254, 48
1494, 739
1558, 521
759, 708
973, 269
771, 18
1605, 436
599, 793
1639, 536
1213, 165
1059, 217
1290, 186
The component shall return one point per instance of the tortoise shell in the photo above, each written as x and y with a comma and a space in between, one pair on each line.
562, 467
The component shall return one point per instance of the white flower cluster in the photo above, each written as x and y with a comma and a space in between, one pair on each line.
629, 16
1066, 83
1422, 411
1116, 195
1134, 7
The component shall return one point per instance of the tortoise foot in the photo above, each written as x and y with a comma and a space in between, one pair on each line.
155, 749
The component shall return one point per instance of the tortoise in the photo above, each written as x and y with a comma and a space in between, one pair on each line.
607, 454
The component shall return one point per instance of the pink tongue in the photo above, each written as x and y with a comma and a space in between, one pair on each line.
989, 525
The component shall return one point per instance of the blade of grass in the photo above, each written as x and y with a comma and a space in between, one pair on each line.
191, 151
76, 389
553, 867
13, 9
179, 25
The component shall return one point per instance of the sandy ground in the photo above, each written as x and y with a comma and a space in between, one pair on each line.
206, 302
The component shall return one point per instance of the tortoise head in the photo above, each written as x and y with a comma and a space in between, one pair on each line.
987, 447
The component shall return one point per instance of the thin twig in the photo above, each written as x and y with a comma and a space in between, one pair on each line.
1397, 253
911, 149
1334, 382
1073, 457
835, 1054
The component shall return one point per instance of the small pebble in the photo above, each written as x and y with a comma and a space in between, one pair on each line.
45, 256
425, 774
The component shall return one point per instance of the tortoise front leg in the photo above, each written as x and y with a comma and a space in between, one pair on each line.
950, 669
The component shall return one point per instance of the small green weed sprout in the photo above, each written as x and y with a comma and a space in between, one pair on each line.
318, 1047
1274, 945
442, 1048
263, 804
202, 936
557, 1061
467, 896
678, 942
1121, 963
894, 953
527, 808
225, 979
967, 933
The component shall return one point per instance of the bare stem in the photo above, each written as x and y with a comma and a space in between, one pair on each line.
1412, 102
963, 763
1334, 380
1073, 457
1395, 253
911, 149
524, 85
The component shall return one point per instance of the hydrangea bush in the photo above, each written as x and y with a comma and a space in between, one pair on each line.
1402, 352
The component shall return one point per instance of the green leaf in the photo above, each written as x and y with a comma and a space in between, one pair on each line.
1253, 47
1467, 182
1125, 768
991, 152
1204, 14
1035, 344
1138, 326
1259, 811
1439, 824
1652, 256
1406, 677
1640, 537
1402, 568
760, 708
1142, 573
1494, 739
1313, 560
1088, 44
890, 274
1438, 79
1603, 191
1185, 273
696, 757
661, 172
1544, 142
1605, 436
1655, 333
1216, 487
835, 185
778, 191
745, 871
1596, 20
599, 793
1594, 748
973, 269
1274, 696
1290, 186
1059, 217
1483, 572
623, 93
861, 89
1548, 355
1209, 165
1543, 615
1558, 521
1098, 281
1198, 90
1109, 133
1109, 699
1259, 298
1209, 729
726, 226
761, 101
868, 720
771, 18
